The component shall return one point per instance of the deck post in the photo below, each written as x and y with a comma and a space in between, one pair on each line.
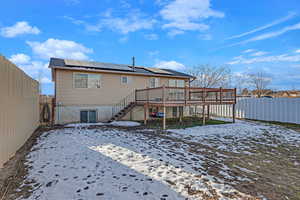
203, 115
164, 117
208, 112
145, 114
233, 106
147, 95
180, 113
185, 94
164, 107
233, 113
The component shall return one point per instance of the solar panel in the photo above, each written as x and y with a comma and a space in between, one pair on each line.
156, 70
97, 65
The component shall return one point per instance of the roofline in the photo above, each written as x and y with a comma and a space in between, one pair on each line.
117, 72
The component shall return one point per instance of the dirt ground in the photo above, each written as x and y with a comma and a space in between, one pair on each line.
266, 171
15, 170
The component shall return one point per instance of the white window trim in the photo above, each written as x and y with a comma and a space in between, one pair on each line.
155, 78
74, 73
176, 82
88, 110
128, 80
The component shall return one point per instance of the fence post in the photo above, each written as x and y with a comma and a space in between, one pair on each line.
221, 95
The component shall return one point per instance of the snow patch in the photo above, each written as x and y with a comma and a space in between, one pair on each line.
124, 123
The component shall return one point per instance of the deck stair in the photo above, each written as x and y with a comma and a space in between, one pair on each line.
123, 107
123, 112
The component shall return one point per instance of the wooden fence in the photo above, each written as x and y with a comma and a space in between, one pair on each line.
268, 109
19, 108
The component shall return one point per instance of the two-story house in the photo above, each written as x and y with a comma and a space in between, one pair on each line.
95, 91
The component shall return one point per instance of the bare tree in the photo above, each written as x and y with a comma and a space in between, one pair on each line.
210, 76
260, 81
240, 82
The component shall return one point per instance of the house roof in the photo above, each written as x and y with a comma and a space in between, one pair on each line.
113, 68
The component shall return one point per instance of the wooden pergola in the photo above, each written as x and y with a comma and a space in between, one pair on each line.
184, 96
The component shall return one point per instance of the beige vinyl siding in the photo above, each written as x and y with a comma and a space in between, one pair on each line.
110, 92
19, 108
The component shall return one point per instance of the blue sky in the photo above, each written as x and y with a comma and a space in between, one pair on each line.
248, 35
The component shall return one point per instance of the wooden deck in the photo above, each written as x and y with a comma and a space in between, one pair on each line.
184, 96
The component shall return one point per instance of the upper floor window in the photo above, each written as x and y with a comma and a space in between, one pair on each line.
154, 82
176, 83
172, 83
85, 80
124, 79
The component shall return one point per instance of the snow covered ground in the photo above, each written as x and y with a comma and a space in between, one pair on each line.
114, 123
237, 137
113, 164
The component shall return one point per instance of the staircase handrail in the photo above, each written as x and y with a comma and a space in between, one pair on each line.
123, 103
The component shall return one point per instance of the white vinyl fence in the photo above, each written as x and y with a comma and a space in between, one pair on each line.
268, 109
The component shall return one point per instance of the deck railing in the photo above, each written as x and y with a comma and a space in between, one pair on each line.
186, 95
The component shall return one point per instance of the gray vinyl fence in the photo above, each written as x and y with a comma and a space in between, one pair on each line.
268, 109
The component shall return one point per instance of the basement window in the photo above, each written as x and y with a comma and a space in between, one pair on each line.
88, 116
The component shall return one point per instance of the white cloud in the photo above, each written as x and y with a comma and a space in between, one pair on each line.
268, 35
151, 36
20, 58
170, 65
278, 21
259, 53
174, 32
132, 22
297, 51
74, 21
19, 28
125, 25
60, 48
248, 51
46, 80
266, 59
188, 15
29, 66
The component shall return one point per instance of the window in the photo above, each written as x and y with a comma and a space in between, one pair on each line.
172, 83
81, 80
180, 83
154, 82
124, 79
88, 116
176, 83
84, 80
